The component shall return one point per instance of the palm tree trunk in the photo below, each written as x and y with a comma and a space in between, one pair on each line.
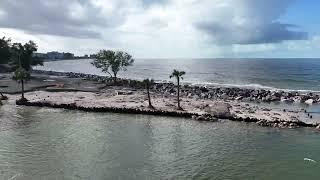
178, 93
22, 89
148, 91
115, 78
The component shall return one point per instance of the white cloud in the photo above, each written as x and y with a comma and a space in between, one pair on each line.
166, 28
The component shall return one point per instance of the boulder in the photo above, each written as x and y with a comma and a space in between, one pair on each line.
309, 101
275, 98
204, 117
286, 100
124, 93
204, 89
219, 110
297, 99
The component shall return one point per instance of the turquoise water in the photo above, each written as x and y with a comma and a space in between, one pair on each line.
293, 74
42, 143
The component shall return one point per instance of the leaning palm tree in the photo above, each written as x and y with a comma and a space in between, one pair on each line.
178, 74
148, 83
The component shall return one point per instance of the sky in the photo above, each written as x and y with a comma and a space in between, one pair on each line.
167, 28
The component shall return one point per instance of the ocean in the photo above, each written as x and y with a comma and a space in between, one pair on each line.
286, 74
44, 143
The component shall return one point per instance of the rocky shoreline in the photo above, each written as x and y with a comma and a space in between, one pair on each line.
93, 93
205, 92
195, 116
135, 102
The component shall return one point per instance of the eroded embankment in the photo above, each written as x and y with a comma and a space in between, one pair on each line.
136, 103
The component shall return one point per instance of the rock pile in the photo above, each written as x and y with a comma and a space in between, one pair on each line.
204, 117
278, 124
202, 92
230, 93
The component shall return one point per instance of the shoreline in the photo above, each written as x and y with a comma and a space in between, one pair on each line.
213, 91
194, 116
198, 102
193, 109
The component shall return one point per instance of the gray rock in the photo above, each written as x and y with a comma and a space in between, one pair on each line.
286, 100
297, 99
309, 101
124, 92
219, 110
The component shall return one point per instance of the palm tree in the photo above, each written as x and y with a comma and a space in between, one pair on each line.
148, 83
21, 75
178, 74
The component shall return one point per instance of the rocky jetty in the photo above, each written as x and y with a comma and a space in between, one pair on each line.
74, 106
206, 92
283, 124
240, 94
133, 101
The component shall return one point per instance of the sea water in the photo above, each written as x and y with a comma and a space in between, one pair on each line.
44, 143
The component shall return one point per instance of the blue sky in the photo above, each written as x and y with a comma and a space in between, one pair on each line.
304, 13
167, 28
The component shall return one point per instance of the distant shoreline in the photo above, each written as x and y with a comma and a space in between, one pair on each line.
53, 60
250, 74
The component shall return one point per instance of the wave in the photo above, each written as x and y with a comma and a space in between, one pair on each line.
253, 86
246, 86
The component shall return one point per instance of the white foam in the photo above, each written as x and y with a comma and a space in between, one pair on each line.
254, 86
310, 160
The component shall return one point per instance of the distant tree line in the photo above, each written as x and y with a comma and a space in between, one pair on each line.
17, 54
18, 58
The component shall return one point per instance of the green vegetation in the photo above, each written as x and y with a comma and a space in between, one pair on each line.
178, 75
22, 55
4, 50
19, 58
148, 83
112, 62
16, 54
21, 75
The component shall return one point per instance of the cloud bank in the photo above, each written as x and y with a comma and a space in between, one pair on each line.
166, 27
250, 22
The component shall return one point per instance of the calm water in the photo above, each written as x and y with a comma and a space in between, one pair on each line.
296, 74
41, 143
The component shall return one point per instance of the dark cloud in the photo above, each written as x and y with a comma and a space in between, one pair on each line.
267, 33
52, 17
251, 22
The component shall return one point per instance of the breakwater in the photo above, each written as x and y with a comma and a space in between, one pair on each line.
206, 92
185, 114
